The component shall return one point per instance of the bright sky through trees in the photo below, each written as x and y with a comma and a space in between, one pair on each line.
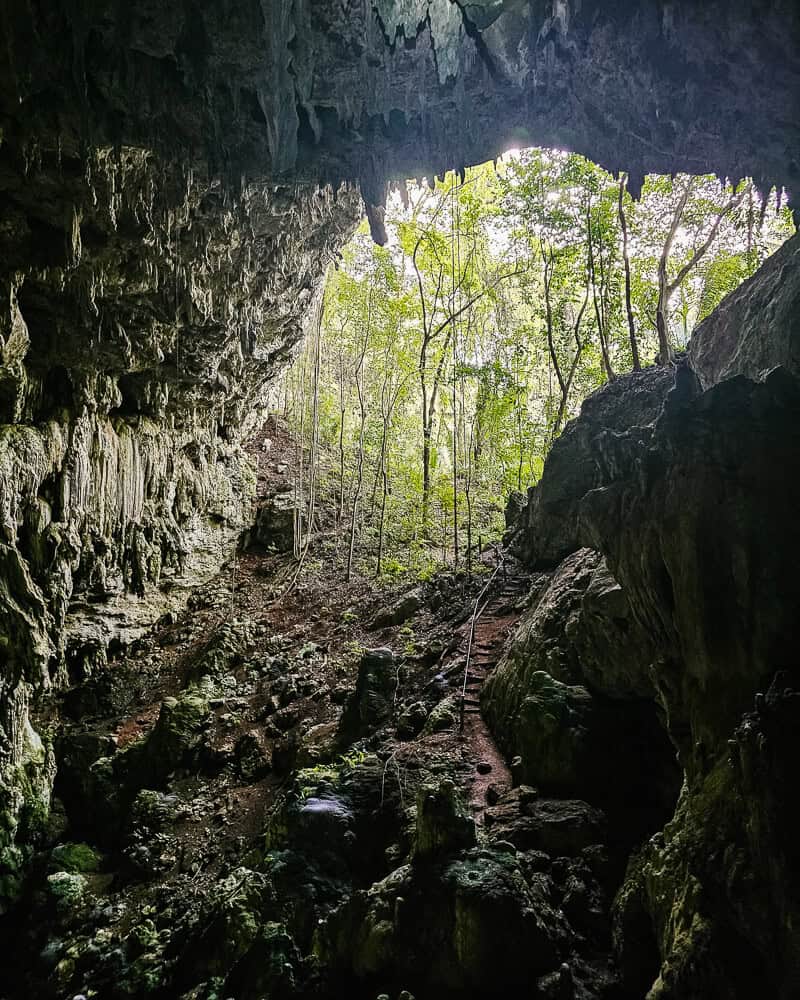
447, 362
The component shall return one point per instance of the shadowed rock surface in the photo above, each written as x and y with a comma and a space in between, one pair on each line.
174, 180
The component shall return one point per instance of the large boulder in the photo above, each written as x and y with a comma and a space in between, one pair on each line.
373, 702
274, 526
573, 699
442, 824
580, 629
472, 926
580, 460
558, 827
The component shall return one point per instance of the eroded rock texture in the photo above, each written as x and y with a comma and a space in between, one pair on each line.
174, 178
695, 512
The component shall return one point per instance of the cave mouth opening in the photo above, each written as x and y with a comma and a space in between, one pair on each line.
447, 361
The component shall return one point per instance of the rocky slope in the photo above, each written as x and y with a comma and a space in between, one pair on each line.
256, 799
695, 515
174, 179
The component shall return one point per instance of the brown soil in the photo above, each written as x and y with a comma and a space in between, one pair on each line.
319, 607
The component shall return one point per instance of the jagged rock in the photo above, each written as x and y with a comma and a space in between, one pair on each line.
473, 925
569, 738
372, 702
443, 716
80, 858
580, 630
67, 889
592, 448
274, 525
252, 761
149, 848
754, 329
411, 720
552, 731
177, 736
718, 612
442, 825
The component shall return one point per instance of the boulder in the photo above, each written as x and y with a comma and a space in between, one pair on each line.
755, 328
372, 702
411, 720
553, 826
620, 412
398, 613
472, 926
275, 523
573, 700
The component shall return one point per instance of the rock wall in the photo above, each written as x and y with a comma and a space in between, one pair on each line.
695, 513
704, 545
173, 181
136, 347
756, 328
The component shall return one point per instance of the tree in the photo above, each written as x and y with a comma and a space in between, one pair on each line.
448, 361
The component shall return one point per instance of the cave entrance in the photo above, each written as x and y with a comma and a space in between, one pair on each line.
444, 364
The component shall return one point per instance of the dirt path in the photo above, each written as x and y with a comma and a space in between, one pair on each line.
492, 629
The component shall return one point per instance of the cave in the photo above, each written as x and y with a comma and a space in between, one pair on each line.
175, 181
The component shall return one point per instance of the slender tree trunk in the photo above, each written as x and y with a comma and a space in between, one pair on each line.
623, 222
299, 500
601, 325
387, 405
426, 476
562, 409
469, 471
667, 288
662, 321
363, 419
382, 521
664, 293
548, 310
342, 414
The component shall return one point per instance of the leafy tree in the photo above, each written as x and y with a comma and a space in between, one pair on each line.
445, 363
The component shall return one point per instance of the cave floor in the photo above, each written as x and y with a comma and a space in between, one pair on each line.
277, 661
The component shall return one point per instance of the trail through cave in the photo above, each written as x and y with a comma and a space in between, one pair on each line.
212, 786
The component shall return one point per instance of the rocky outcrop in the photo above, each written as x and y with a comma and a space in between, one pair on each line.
695, 514
705, 550
588, 452
756, 328
573, 700
579, 629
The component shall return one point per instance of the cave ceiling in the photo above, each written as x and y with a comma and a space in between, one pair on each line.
175, 177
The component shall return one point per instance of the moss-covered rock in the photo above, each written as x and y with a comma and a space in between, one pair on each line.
77, 858
443, 716
442, 824
473, 925
68, 890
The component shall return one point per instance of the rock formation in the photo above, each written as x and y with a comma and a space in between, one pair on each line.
174, 179
696, 517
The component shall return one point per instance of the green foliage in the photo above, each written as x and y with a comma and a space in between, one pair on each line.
451, 358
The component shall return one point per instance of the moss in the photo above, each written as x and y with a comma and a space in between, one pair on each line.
67, 889
77, 858
443, 716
